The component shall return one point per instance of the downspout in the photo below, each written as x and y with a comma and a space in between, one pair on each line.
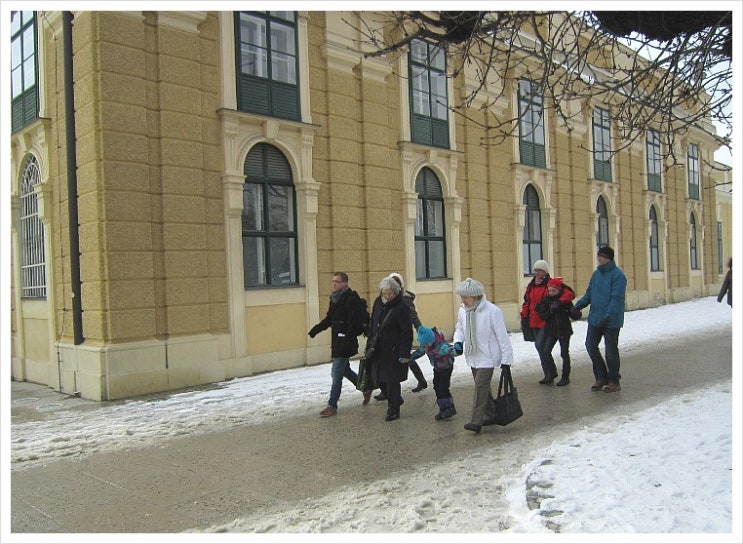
77, 306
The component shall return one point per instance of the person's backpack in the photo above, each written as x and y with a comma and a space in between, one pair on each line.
359, 316
441, 361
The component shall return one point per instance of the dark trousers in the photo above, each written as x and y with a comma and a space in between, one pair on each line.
544, 349
392, 392
442, 382
564, 352
604, 370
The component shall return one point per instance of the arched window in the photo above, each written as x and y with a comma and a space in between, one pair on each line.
430, 238
532, 229
31, 233
269, 219
654, 251
693, 257
602, 236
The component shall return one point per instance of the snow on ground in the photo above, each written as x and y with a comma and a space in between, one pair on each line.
650, 471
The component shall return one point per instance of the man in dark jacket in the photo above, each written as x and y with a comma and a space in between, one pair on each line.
346, 324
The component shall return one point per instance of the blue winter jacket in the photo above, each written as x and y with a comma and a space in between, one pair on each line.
605, 294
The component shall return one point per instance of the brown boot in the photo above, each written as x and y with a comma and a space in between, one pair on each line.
612, 387
598, 385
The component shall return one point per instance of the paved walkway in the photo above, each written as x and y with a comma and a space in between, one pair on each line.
196, 482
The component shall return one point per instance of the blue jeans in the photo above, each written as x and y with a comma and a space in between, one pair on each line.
544, 349
341, 369
604, 370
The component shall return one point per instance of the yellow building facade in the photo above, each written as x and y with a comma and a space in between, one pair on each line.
227, 164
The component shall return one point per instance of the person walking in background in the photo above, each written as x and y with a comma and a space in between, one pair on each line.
605, 294
481, 334
727, 284
554, 309
409, 298
441, 355
346, 322
536, 290
391, 335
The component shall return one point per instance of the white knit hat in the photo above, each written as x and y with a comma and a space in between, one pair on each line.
398, 276
470, 288
541, 265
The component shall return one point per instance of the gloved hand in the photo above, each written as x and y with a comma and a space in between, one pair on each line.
314, 331
445, 349
458, 348
555, 306
524, 322
575, 313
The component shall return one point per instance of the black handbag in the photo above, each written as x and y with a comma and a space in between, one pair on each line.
507, 405
371, 348
527, 330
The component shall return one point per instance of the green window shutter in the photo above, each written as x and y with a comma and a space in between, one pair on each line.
440, 136
654, 182
17, 113
421, 130
602, 170
255, 95
285, 100
540, 160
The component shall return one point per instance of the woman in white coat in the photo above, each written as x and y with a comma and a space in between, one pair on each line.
482, 335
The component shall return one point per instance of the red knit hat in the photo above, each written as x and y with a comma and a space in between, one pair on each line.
555, 282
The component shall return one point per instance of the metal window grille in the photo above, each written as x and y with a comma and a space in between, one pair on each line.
31, 231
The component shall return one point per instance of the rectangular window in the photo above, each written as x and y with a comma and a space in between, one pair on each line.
23, 70
429, 101
654, 163
692, 166
531, 125
601, 145
267, 63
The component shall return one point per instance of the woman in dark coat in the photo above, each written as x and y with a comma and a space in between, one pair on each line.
390, 322
727, 284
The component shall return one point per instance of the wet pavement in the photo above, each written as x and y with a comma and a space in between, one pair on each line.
198, 481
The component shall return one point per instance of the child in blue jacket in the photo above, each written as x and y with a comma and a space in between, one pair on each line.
441, 356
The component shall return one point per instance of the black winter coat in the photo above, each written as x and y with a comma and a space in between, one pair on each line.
557, 321
339, 319
727, 287
395, 340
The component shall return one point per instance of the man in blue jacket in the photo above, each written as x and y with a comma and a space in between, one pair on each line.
605, 294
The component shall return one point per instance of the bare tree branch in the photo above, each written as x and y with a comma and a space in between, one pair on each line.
666, 71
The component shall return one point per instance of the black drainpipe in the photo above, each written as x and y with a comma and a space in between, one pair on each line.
77, 306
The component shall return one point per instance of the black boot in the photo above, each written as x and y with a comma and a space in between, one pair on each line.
446, 408
565, 379
418, 373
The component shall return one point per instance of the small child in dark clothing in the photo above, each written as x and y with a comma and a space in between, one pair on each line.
441, 355
554, 309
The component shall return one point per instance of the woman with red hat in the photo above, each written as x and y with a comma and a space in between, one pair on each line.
555, 309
